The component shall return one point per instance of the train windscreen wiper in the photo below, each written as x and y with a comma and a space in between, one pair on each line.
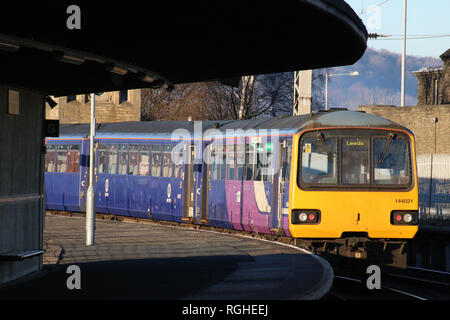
322, 141
386, 148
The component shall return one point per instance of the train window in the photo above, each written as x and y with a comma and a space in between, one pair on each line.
178, 163
134, 160
230, 162
355, 160
50, 158
263, 164
74, 158
391, 161
144, 161
287, 161
249, 161
102, 158
167, 161
123, 159
156, 161
319, 160
112, 159
61, 158
240, 160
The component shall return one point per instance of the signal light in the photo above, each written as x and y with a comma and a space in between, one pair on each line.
404, 217
306, 216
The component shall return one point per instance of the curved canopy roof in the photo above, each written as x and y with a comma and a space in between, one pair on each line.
125, 45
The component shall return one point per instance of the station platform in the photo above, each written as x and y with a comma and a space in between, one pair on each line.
158, 262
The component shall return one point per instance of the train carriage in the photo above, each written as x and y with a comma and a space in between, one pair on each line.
324, 176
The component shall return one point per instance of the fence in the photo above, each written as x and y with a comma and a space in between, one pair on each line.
433, 171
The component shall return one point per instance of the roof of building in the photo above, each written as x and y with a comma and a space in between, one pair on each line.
445, 55
122, 46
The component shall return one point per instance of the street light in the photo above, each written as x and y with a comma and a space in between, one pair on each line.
354, 73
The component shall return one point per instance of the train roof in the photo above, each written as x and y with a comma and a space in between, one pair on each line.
283, 125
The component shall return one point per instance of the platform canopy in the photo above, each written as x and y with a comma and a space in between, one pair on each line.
129, 44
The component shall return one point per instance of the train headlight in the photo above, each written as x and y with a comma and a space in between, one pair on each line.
308, 216
303, 217
404, 217
407, 218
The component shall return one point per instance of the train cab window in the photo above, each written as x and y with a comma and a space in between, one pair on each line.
156, 161
50, 158
123, 159
391, 161
112, 158
249, 161
319, 160
134, 160
61, 158
102, 158
240, 160
74, 158
230, 161
355, 161
167, 161
144, 160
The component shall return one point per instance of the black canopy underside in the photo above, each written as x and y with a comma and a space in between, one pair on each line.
171, 42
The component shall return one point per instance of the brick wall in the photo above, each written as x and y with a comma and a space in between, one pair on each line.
419, 119
107, 108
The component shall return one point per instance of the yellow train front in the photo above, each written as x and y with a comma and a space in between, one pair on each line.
354, 185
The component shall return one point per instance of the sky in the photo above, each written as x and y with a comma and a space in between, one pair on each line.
424, 17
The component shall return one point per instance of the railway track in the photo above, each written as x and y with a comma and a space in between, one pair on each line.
409, 284
396, 284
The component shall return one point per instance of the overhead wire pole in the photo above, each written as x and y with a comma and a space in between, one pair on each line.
90, 199
402, 100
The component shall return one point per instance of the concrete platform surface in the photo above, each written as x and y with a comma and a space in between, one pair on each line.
150, 261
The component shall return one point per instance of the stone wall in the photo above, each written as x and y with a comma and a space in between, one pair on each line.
108, 108
431, 137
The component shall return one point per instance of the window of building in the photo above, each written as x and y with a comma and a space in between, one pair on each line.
13, 102
123, 96
71, 98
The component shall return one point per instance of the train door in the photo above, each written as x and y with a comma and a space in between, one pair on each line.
205, 187
281, 190
189, 183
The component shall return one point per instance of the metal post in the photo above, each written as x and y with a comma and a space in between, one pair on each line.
90, 199
326, 90
402, 102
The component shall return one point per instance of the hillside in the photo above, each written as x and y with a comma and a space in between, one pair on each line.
379, 80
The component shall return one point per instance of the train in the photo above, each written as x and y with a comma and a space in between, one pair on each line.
336, 180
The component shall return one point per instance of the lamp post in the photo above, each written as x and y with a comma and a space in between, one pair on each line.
402, 96
90, 195
327, 75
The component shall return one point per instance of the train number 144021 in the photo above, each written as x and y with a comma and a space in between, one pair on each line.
403, 200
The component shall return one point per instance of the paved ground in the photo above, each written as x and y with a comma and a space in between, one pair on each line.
149, 261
